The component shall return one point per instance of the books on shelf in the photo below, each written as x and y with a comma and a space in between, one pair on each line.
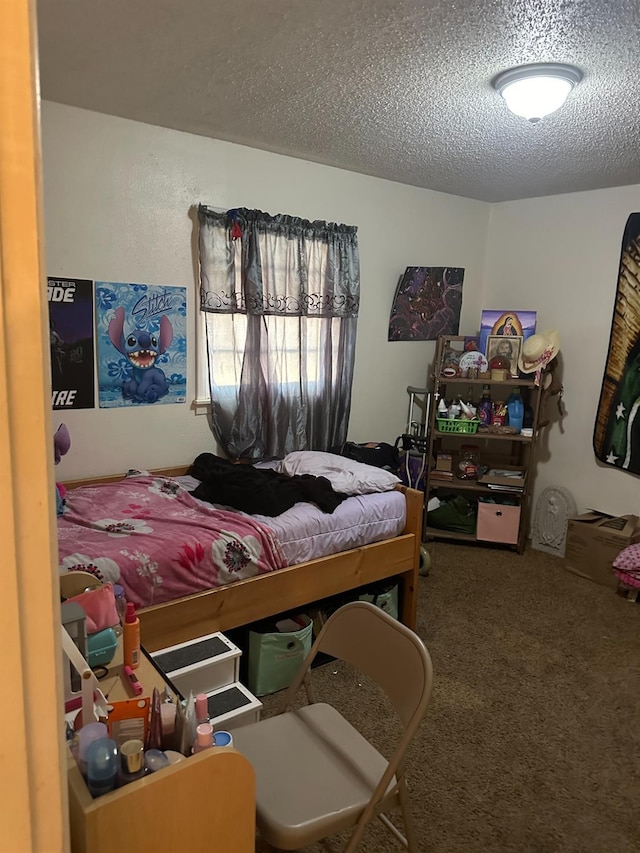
509, 477
440, 475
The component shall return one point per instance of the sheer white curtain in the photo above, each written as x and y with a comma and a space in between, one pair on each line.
280, 296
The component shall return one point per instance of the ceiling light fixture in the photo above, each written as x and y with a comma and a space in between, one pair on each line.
534, 91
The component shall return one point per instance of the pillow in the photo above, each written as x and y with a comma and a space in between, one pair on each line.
345, 475
99, 606
629, 558
627, 565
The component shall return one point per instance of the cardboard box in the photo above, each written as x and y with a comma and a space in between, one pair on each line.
444, 461
594, 540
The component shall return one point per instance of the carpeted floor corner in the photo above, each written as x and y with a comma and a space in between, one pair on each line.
532, 740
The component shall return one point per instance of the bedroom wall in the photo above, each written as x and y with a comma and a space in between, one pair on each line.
560, 256
117, 199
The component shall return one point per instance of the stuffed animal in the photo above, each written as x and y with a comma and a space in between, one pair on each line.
61, 446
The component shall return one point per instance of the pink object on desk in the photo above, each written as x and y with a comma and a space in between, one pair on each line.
168, 718
132, 680
202, 709
204, 738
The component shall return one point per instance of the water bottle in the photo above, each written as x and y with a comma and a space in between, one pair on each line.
515, 407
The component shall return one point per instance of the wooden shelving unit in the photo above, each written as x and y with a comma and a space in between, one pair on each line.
494, 449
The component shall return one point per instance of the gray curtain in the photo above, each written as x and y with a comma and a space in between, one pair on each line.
281, 297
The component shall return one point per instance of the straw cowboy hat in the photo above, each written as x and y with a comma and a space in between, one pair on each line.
538, 350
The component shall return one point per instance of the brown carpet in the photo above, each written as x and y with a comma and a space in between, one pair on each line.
532, 740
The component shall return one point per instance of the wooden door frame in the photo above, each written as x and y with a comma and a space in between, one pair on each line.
33, 798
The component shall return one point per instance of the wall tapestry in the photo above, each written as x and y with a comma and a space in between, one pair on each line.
71, 340
426, 304
142, 344
616, 437
521, 324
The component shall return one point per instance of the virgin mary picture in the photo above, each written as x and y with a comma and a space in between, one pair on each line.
616, 439
511, 324
508, 327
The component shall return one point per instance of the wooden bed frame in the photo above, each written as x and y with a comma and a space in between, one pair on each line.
266, 595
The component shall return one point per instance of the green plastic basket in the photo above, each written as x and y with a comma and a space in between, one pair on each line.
465, 426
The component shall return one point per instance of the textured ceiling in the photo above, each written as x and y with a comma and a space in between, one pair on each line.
399, 89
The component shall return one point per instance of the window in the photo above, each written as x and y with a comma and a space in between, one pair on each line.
279, 297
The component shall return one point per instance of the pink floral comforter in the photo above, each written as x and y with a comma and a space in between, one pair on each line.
148, 534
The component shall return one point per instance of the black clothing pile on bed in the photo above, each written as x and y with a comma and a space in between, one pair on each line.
259, 491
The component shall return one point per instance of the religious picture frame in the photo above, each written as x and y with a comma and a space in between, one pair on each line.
506, 323
509, 347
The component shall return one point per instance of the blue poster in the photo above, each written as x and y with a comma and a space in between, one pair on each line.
142, 344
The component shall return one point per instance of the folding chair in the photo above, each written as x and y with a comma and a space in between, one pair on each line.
316, 775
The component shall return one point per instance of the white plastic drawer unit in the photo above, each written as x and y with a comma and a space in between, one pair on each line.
201, 665
233, 706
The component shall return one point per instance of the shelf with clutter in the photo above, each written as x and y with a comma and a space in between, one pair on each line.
485, 417
128, 760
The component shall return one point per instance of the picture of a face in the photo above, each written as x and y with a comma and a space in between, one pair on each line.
507, 324
504, 349
508, 349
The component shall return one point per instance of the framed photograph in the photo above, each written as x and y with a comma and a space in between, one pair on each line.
510, 324
508, 347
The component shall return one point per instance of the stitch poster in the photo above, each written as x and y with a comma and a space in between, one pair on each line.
71, 340
142, 344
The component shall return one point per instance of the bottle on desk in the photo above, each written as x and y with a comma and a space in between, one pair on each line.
131, 637
202, 709
102, 766
204, 738
131, 761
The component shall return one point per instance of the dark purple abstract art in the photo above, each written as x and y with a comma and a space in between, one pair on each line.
426, 304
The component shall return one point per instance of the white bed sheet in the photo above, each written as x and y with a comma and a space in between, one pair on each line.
307, 533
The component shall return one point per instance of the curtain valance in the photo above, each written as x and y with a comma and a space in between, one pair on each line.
258, 264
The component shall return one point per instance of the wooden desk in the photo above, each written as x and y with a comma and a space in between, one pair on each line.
205, 803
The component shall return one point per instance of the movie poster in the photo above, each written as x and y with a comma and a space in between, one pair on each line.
426, 304
71, 340
142, 344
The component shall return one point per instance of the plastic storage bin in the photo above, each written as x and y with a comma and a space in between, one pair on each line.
275, 657
232, 706
386, 598
201, 665
470, 427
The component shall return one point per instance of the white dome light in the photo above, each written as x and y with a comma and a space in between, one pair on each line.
534, 91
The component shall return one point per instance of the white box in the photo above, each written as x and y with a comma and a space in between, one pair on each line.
200, 665
233, 706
